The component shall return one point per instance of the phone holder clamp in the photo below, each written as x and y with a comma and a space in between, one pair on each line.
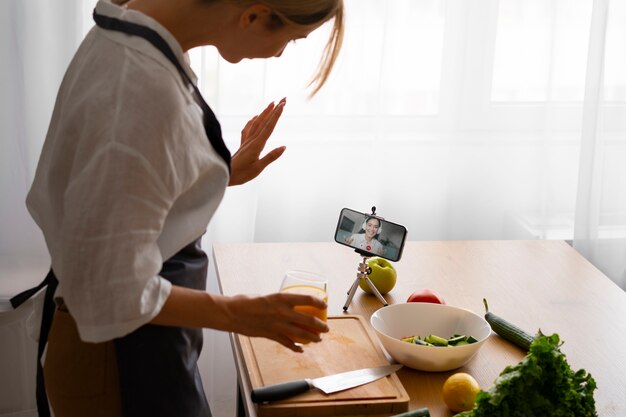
363, 275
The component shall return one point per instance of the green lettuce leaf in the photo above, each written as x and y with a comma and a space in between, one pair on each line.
541, 384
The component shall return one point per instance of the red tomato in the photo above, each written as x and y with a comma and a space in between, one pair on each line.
425, 295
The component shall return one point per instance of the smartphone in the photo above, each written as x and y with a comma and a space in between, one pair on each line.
370, 235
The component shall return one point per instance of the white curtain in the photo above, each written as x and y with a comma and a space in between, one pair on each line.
37, 41
460, 119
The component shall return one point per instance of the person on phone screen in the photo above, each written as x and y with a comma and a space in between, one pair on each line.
367, 240
132, 170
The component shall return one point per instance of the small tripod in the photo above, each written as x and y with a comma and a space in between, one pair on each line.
363, 274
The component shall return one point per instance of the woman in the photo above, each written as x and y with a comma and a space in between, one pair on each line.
367, 240
131, 172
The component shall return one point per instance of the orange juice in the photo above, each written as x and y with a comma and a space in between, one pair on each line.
312, 311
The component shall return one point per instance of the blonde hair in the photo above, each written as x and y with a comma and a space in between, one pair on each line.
308, 12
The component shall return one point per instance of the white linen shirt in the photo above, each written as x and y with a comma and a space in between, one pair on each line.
126, 178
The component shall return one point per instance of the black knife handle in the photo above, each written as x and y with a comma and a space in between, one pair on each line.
280, 391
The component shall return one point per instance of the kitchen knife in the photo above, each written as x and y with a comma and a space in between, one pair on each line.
327, 384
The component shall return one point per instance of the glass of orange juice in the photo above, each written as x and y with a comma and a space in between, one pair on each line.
309, 283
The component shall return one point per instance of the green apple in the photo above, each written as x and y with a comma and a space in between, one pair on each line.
383, 276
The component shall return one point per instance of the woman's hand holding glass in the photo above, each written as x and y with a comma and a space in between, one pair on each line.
289, 317
306, 283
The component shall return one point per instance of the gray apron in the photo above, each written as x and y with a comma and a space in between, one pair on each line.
157, 365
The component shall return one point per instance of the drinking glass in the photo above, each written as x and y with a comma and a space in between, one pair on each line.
301, 282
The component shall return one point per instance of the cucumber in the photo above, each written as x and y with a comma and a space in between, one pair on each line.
436, 340
420, 412
456, 339
508, 331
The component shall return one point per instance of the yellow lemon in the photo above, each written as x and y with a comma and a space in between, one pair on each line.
459, 392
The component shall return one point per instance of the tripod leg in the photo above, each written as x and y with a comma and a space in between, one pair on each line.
353, 287
376, 292
351, 294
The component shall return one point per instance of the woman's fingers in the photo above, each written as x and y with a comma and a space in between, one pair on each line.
289, 344
274, 317
258, 123
266, 128
246, 165
245, 132
268, 117
270, 157
299, 319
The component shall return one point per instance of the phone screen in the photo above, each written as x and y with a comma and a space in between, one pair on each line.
370, 235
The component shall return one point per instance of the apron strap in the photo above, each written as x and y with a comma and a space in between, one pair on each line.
211, 124
51, 282
22, 297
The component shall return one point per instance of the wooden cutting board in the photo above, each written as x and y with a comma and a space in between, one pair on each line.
349, 345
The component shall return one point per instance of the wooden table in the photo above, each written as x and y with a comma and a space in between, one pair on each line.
534, 284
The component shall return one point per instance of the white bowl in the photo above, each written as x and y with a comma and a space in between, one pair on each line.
396, 321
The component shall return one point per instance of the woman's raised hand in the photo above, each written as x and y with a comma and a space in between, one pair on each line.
246, 163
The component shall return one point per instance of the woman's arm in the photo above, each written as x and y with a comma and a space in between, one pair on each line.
271, 316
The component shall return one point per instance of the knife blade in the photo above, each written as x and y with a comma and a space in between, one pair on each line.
326, 384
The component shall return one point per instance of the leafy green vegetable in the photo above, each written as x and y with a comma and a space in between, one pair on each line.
434, 340
542, 384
